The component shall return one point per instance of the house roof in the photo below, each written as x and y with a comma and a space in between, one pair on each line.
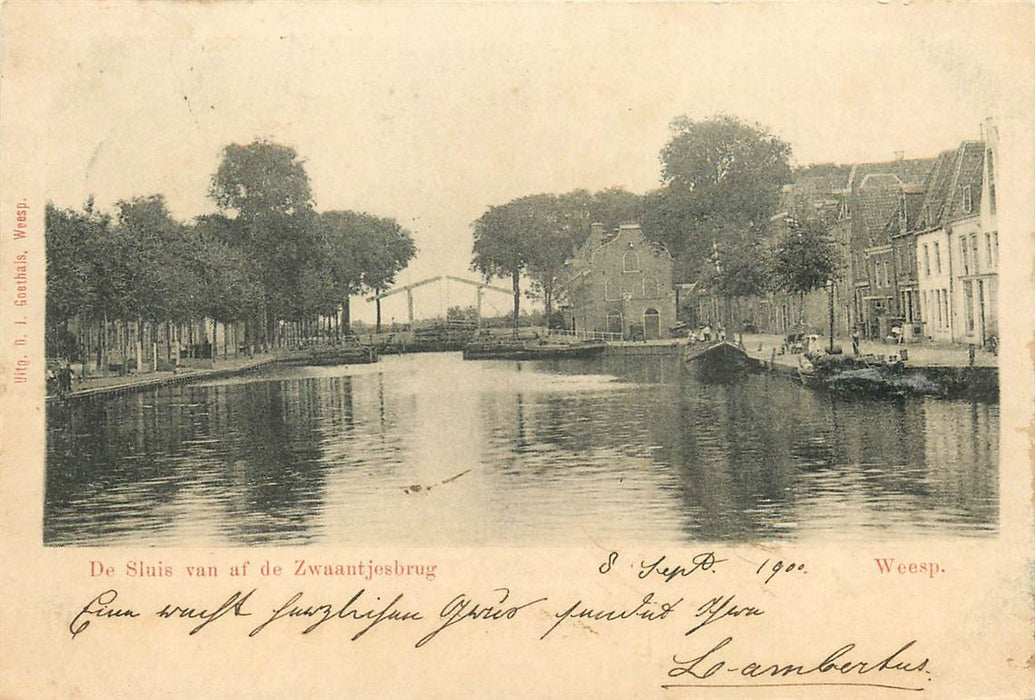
953, 170
882, 193
907, 171
816, 190
969, 172
877, 209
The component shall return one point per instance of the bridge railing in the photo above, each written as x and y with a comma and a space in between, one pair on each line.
588, 335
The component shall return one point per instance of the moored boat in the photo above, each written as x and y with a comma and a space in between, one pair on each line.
859, 376
719, 362
351, 354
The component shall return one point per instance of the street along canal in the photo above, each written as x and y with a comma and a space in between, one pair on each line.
429, 449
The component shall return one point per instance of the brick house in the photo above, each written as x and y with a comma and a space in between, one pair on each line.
882, 198
621, 283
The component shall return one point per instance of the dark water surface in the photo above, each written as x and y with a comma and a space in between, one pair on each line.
543, 453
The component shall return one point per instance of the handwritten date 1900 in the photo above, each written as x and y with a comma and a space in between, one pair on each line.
770, 570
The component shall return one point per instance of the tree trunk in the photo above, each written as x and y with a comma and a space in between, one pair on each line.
123, 331
346, 317
265, 323
102, 328
139, 346
548, 298
377, 302
515, 280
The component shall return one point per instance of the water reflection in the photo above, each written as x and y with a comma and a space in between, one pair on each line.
428, 449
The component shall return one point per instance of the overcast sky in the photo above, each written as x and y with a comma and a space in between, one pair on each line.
431, 113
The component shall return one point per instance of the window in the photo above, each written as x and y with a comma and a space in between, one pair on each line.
651, 324
974, 252
631, 262
988, 248
968, 199
938, 303
964, 256
937, 258
945, 306
927, 261
650, 286
995, 246
615, 323
968, 301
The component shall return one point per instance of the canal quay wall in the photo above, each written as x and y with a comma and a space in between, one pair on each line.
947, 368
107, 386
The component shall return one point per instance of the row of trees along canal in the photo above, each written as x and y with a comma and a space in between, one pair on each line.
268, 267
716, 212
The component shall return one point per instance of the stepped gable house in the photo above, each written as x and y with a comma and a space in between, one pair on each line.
621, 283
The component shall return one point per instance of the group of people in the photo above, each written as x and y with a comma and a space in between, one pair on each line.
703, 333
60, 380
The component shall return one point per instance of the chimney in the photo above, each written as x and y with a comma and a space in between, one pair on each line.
900, 155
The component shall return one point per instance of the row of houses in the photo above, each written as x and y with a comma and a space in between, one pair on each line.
918, 237
920, 242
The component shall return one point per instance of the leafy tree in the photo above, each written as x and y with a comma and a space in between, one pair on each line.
535, 235
388, 250
261, 179
344, 240
722, 181
230, 288
462, 313
501, 243
741, 269
558, 225
806, 257
70, 280
615, 206
265, 185
158, 260
667, 218
72, 271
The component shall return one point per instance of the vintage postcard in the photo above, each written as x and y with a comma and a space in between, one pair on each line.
516, 350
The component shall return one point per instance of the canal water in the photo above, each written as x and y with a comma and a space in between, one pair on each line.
431, 450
